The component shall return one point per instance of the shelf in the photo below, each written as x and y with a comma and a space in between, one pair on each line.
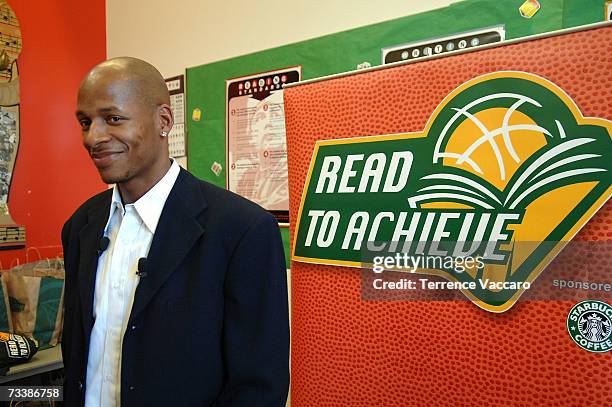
44, 361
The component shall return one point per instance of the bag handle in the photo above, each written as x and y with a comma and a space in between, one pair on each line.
35, 249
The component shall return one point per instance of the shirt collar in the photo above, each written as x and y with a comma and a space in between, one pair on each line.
151, 204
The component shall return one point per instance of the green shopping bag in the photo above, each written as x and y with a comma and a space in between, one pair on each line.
6, 324
36, 292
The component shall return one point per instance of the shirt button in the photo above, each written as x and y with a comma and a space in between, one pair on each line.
80, 385
133, 327
109, 378
132, 388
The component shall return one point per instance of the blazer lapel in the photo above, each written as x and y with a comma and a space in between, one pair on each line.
90, 237
177, 231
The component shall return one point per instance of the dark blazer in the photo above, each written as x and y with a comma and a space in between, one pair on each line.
209, 322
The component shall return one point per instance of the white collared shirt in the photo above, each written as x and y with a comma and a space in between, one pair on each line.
130, 229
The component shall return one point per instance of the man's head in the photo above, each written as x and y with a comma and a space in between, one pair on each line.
123, 108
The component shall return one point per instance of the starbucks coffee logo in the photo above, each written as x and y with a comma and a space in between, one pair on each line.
589, 325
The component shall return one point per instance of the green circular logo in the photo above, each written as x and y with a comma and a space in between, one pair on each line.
589, 323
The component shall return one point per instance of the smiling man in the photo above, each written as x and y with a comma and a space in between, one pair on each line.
175, 289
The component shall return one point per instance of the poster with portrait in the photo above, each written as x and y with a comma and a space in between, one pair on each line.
9, 138
255, 139
12, 236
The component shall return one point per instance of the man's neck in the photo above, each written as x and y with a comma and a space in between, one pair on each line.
134, 189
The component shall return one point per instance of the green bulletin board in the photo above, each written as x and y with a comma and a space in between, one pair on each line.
343, 51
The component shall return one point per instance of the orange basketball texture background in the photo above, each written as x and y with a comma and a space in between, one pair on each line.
346, 352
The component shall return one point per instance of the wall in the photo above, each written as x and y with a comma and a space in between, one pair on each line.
194, 32
62, 40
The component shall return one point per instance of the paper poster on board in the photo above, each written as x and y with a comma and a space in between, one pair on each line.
255, 138
176, 138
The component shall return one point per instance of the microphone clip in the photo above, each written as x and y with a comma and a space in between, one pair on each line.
142, 267
102, 245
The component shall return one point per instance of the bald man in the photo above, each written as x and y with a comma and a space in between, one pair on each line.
175, 289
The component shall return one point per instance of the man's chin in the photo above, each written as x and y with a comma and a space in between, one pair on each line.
110, 178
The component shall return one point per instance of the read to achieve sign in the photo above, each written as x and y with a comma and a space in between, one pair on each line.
507, 157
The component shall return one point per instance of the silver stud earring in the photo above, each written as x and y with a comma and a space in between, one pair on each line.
164, 133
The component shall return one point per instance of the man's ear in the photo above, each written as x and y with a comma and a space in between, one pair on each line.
166, 118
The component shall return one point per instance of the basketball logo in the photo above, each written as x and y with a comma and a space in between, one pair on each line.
491, 137
494, 141
507, 168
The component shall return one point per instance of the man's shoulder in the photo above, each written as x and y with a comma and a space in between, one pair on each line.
103, 198
222, 200
224, 203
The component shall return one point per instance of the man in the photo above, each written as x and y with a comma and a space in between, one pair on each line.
175, 289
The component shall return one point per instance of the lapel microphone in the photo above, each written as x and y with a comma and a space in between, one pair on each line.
142, 267
103, 245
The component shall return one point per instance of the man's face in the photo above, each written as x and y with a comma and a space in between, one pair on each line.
120, 129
